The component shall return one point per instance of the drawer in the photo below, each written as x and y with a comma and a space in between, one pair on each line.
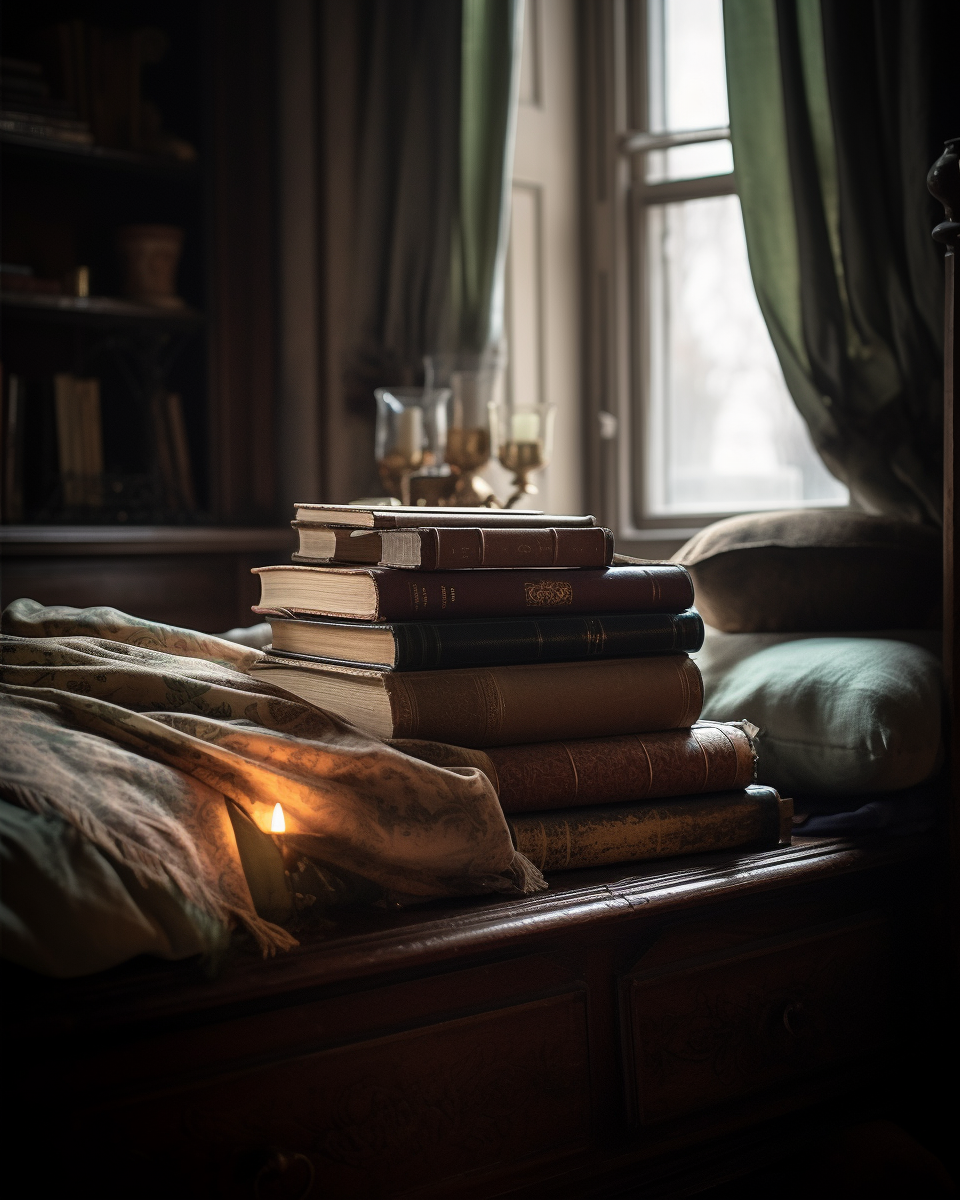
375, 1118
719, 1027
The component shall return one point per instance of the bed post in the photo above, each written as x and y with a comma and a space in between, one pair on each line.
944, 182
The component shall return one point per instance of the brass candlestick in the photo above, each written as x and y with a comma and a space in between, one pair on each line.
468, 451
524, 438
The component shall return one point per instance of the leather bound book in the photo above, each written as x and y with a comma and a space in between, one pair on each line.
500, 706
456, 549
400, 516
755, 818
549, 775
383, 594
437, 645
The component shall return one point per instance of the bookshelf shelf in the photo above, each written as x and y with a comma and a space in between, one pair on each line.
78, 154
98, 310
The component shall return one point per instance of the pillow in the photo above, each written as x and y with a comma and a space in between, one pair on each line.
815, 570
835, 714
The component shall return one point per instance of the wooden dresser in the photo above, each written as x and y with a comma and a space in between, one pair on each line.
648, 1026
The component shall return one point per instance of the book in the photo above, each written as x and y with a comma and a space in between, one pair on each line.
457, 549
384, 594
708, 757
756, 818
436, 645
399, 516
13, 431
499, 706
79, 439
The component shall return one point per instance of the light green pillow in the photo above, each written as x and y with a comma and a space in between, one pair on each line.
836, 714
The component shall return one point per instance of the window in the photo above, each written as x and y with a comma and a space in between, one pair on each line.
691, 392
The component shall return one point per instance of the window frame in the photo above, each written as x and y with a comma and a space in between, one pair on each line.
616, 199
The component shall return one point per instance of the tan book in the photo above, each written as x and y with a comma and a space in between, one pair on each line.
458, 549
756, 818
69, 439
399, 516
180, 452
499, 706
712, 756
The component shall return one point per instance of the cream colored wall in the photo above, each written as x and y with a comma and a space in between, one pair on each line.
543, 268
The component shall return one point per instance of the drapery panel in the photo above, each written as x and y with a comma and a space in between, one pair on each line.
436, 90
837, 108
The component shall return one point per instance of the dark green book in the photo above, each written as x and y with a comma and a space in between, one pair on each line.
434, 645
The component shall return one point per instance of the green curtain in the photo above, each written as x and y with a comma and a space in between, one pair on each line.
492, 33
837, 109
436, 101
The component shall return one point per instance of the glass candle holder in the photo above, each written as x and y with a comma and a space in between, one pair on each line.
475, 382
411, 435
524, 441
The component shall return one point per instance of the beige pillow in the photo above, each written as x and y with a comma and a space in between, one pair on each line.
814, 570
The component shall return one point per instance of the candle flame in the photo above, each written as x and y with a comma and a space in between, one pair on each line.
277, 823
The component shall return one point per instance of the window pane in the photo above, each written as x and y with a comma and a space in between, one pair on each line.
688, 82
690, 162
723, 434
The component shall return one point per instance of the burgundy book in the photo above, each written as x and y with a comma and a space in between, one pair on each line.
385, 594
456, 549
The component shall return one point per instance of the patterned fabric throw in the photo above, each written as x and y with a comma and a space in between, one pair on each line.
139, 735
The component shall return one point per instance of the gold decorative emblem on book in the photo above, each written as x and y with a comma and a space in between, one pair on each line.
547, 592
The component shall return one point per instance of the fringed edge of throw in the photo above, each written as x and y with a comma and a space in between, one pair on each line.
269, 937
520, 876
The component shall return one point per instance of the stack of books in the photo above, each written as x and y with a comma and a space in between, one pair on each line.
520, 643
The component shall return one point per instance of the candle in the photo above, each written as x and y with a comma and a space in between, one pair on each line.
410, 434
524, 427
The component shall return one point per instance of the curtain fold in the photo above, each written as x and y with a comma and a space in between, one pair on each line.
837, 108
436, 105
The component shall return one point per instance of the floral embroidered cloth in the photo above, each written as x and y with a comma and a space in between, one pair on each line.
140, 735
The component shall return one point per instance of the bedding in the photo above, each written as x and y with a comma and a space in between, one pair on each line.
142, 736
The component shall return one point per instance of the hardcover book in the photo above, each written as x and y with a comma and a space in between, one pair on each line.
437, 645
756, 817
383, 594
400, 516
457, 549
711, 756
499, 706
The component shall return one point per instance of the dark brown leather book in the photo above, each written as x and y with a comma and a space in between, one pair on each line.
457, 549
499, 706
710, 757
384, 594
442, 645
755, 818
400, 516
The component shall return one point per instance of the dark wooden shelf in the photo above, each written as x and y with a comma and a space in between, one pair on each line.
98, 310
76, 154
72, 540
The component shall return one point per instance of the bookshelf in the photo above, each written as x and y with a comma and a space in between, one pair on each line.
174, 442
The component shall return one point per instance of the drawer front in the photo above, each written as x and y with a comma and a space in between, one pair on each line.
716, 1029
381, 1117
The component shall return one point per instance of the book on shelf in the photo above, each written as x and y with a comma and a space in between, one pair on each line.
438, 645
497, 706
711, 756
28, 109
461, 548
79, 439
755, 818
13, 447
172, 452
399, 516
385, 594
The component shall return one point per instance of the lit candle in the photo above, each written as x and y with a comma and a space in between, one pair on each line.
277, 823
524, 427
410, 434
